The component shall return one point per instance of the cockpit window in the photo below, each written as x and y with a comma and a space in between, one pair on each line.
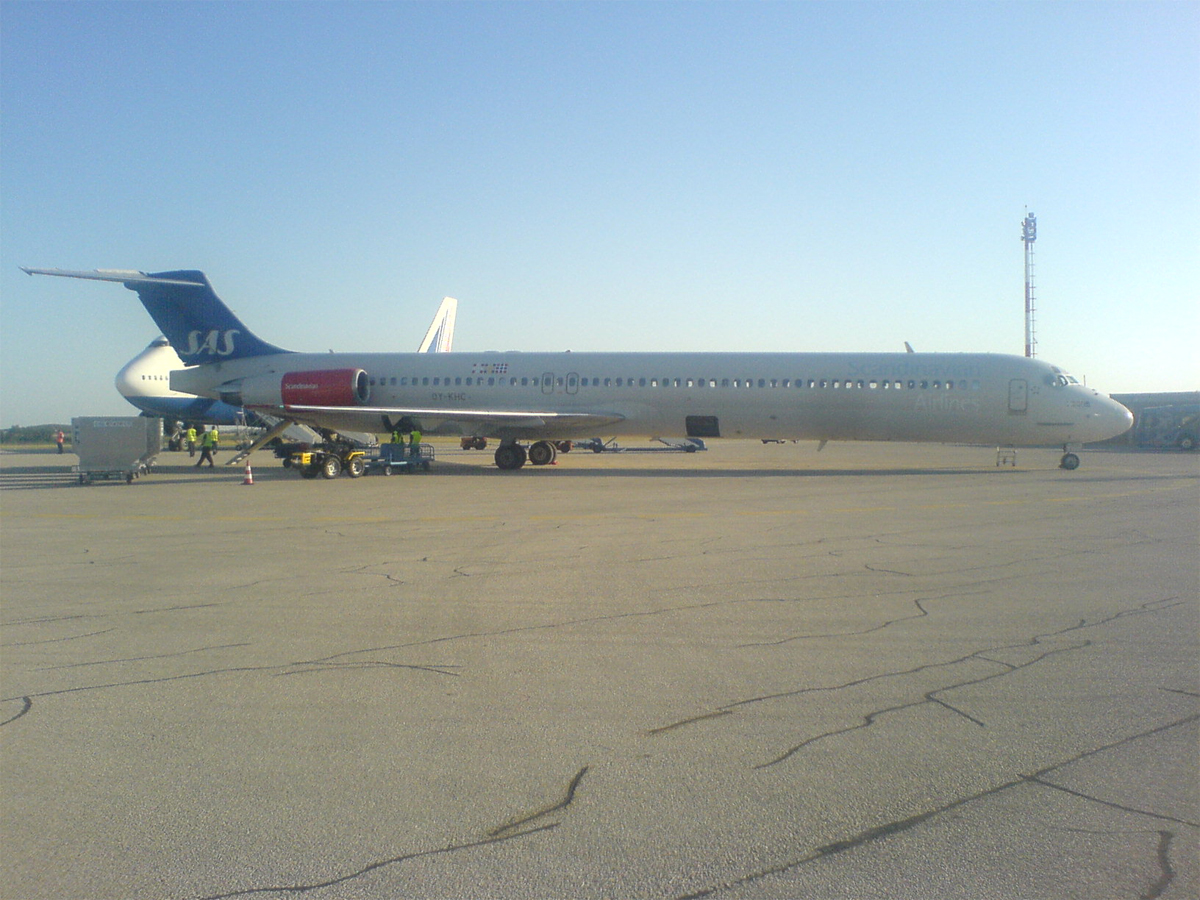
1061, 379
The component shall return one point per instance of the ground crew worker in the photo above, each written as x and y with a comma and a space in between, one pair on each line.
208, 443
59, 437
414, 445
191, 440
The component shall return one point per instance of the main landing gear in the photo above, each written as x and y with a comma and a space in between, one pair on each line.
511, 455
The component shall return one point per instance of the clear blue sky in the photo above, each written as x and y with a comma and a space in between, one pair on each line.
611, 176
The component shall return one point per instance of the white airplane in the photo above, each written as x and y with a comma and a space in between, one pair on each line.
515, 397
145, 381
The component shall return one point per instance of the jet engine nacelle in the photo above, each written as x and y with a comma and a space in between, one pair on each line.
321, 387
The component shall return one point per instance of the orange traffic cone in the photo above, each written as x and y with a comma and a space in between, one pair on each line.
249, 479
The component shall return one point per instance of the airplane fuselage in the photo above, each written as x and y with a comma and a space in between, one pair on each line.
968, 397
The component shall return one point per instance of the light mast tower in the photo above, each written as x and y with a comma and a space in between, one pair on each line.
1029, 235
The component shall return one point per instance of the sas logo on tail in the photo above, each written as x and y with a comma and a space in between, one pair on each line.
215, 343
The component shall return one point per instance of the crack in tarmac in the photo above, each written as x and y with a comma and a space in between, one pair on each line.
922, 613
297, 668
888, 829
1150, 607
109, 662
562, 804
26, 705
43, 620
375, 866
74, 637
361, 570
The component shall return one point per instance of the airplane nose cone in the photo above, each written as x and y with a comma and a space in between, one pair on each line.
1112, 420
1126, 417
127, 380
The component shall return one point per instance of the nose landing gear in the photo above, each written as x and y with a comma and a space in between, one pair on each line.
1069, 461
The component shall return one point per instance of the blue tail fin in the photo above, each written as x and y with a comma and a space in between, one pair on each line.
199, 326
183, 304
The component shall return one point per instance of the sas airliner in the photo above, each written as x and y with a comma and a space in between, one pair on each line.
539, 398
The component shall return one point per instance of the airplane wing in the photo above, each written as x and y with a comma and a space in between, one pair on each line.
498, 418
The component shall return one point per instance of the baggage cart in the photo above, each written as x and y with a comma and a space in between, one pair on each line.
115, 446
400, 458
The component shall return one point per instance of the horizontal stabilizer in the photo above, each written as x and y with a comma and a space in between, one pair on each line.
200, 327
120, 276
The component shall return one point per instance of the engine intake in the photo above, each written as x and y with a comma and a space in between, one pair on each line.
325, 387
320, 387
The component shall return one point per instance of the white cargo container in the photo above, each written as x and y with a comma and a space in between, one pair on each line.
115, 446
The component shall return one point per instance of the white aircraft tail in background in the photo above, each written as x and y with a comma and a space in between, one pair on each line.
440, 336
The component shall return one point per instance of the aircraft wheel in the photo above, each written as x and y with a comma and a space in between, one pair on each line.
542, 453
510, 456
331, 467
1069, 462
356, 467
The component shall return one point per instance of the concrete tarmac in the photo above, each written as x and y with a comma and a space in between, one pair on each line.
757, 672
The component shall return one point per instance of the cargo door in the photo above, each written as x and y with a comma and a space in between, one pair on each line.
702, 426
